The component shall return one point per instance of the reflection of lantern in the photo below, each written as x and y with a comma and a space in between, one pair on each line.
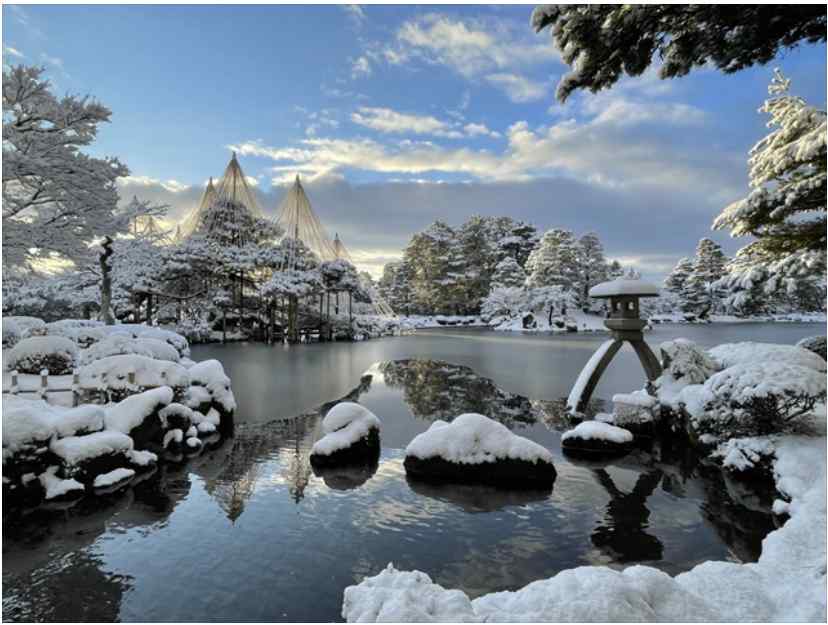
626, 324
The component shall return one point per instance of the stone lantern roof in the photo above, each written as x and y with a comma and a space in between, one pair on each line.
623, 288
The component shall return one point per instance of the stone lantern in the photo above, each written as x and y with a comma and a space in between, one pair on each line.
625, 323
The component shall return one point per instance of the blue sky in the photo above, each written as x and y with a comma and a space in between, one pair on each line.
397, 115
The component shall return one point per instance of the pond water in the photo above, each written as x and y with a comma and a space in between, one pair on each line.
248, 531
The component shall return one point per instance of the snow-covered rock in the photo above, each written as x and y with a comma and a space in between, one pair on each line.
684, 360
177, 416
32, 355
116, 476
753, 398
351, 433
729, 354
816, 344
637, 411
597, 437
33, 422
210, 375
475, 448
139, 415
59, 488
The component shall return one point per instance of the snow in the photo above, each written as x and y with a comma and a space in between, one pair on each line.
173, 436
741, 454
210, 374
176, 409
786, 584
117, 344
75, 449
28, 353
130, 412
193, 442
729, 354
345, 424
636, 398
29, 420
142, 458
172, 338
113, 477
583, 377
28, 326
198, 395
621, 286
55, 486
473, 439
148, 373
597, 430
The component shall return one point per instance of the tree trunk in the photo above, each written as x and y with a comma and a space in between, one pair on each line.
106, 282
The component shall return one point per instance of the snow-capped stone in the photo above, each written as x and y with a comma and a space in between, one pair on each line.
210, 375
29, 421
74, 450
476, 448
596, 437
131, 413
56, 487
116, 476
33, 354
351, 432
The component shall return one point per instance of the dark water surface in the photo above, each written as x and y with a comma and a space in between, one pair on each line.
248, 532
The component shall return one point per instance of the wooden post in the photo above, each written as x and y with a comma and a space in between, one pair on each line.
13, 389
321, 301
149, 308
223, 325
75, 388
131, 378
44, 382
350, 316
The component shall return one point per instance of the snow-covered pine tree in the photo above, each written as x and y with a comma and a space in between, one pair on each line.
554, 262
508, 273
48, 213
594, 268
676, 279
786, 211
476, 261
615, 270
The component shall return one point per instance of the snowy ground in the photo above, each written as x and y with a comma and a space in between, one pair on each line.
678, 317
788, 583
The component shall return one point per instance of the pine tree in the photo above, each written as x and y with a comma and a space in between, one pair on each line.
677, 278
615, 270
508, 273
786, 211
555, 261
594, 268
602, 42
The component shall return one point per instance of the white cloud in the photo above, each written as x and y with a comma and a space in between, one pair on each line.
390, 121
355, 12
478, 130
470, 47
13, 52
173, 186
361, 68
519, 88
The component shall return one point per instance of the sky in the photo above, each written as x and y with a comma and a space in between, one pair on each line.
395, 116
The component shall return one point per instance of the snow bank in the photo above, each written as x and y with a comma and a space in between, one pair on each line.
474, 439
345, 424
729, 354
210, 374
31, 355
11, 333
786, 584
28, 326
113, 477
167, 336
598, 431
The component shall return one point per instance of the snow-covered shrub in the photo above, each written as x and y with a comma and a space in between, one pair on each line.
752, 399
28, 326
743, 455
686, 361
729, 354
814, 344
11, 333
32, 355
173, 338
116, 344
119, 376
194, 330
83, 332
503, 303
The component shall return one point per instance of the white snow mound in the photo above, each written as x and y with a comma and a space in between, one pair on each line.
598, 431
345, 424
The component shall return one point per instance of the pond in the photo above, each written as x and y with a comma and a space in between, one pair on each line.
248, 532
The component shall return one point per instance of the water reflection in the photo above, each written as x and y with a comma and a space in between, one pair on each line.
261, 535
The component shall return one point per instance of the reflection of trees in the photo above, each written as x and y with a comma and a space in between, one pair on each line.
478, 497
622, 535
288, 441
439, 390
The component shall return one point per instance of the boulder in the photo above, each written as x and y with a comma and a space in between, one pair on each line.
814, 344
597, 438
474, 448
351, 436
